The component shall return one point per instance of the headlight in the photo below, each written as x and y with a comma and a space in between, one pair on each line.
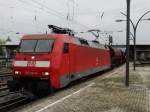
45, 73
17, 72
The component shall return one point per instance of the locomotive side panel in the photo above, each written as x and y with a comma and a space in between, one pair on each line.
90, 58
81, 61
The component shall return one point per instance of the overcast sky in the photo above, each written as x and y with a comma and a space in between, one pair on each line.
33, 16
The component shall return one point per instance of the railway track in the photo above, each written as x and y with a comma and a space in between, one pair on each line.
8, 93
3, 89
3, 70
11, 100
5, 75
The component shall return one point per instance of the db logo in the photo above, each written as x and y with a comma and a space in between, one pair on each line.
31, 63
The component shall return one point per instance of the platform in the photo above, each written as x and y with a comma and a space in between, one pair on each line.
104, 93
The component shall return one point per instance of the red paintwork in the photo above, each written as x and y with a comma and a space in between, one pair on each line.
79, 59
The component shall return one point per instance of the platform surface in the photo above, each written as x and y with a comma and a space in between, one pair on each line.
103, 93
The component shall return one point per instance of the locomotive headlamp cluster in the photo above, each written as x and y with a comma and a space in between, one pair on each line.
17, 72
45, 73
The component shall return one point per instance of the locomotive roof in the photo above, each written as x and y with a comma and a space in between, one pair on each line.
67, 38
41, 36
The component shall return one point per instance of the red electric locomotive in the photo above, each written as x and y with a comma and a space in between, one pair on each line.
52, 61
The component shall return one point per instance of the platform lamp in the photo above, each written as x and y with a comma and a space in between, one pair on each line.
135, 26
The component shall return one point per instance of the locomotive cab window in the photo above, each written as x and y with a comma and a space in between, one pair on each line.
44, 46
38, 46
66, 48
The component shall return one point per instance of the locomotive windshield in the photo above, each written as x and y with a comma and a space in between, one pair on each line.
44, 46
36, 45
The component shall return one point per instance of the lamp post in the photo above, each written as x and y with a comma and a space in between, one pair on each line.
135, 26
127, 44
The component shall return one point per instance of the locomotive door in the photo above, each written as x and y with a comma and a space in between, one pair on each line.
66, 52
69, 58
